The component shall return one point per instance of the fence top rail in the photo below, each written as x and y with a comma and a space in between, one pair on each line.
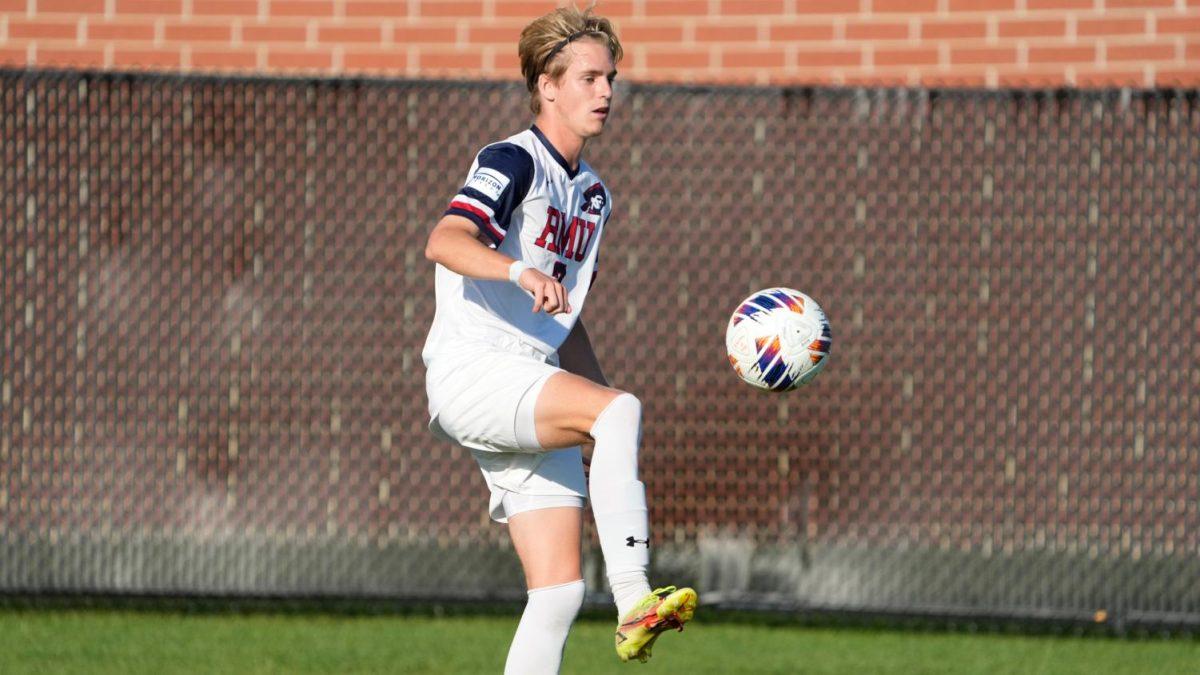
1124, 94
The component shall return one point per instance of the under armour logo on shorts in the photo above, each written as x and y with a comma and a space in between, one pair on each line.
630, 541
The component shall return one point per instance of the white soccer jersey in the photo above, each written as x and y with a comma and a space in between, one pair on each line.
521, 193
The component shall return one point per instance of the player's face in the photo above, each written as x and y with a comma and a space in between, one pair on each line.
584, 93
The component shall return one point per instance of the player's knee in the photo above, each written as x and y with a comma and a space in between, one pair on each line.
628, 405
628, 400
625, 409
560, 602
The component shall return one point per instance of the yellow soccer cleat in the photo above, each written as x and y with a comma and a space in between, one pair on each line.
659, 611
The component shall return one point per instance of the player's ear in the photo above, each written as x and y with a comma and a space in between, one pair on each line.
547, 86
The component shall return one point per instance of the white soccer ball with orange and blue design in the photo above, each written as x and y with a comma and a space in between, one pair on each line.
778, 339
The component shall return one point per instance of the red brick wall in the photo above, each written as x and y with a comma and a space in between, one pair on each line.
931, 42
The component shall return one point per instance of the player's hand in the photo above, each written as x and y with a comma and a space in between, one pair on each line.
548, 294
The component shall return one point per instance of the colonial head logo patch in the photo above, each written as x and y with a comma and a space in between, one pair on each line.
594, 199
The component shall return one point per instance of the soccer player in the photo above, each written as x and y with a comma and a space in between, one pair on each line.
510, 370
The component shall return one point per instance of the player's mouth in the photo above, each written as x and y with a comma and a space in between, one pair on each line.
602, 113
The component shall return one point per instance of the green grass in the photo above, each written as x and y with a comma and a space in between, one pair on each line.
146, 642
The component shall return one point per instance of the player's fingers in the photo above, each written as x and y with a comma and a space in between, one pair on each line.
555, 303
565, 305
545, 297
552, 303
566, 299
538, 297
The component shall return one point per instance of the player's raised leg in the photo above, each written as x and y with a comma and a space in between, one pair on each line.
572, 410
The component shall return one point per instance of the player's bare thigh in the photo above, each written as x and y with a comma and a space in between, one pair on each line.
567, 408
547, 542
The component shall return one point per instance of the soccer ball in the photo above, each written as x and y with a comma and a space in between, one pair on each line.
778, 339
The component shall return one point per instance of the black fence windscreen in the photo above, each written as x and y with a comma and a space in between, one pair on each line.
214, 296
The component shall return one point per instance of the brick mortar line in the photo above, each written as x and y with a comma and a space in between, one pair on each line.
971, 69
1034, 41
237, 38
688, 30
901, 17
237, 33
1149, 14
928, 70
1180, 11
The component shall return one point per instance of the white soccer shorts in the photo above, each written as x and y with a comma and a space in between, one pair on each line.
475, 396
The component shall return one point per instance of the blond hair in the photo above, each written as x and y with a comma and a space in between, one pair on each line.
544, 39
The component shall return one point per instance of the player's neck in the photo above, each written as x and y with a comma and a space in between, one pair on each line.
568, 144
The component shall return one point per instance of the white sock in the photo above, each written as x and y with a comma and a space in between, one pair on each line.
627, 589
537, 648
619, 499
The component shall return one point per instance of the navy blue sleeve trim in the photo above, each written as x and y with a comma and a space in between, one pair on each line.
479, 221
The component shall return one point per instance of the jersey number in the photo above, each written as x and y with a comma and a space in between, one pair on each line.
560, 271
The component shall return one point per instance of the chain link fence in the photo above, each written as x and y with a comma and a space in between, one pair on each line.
214, 296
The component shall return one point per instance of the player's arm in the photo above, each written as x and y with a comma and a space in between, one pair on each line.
482, 211
455, 244
576, 355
